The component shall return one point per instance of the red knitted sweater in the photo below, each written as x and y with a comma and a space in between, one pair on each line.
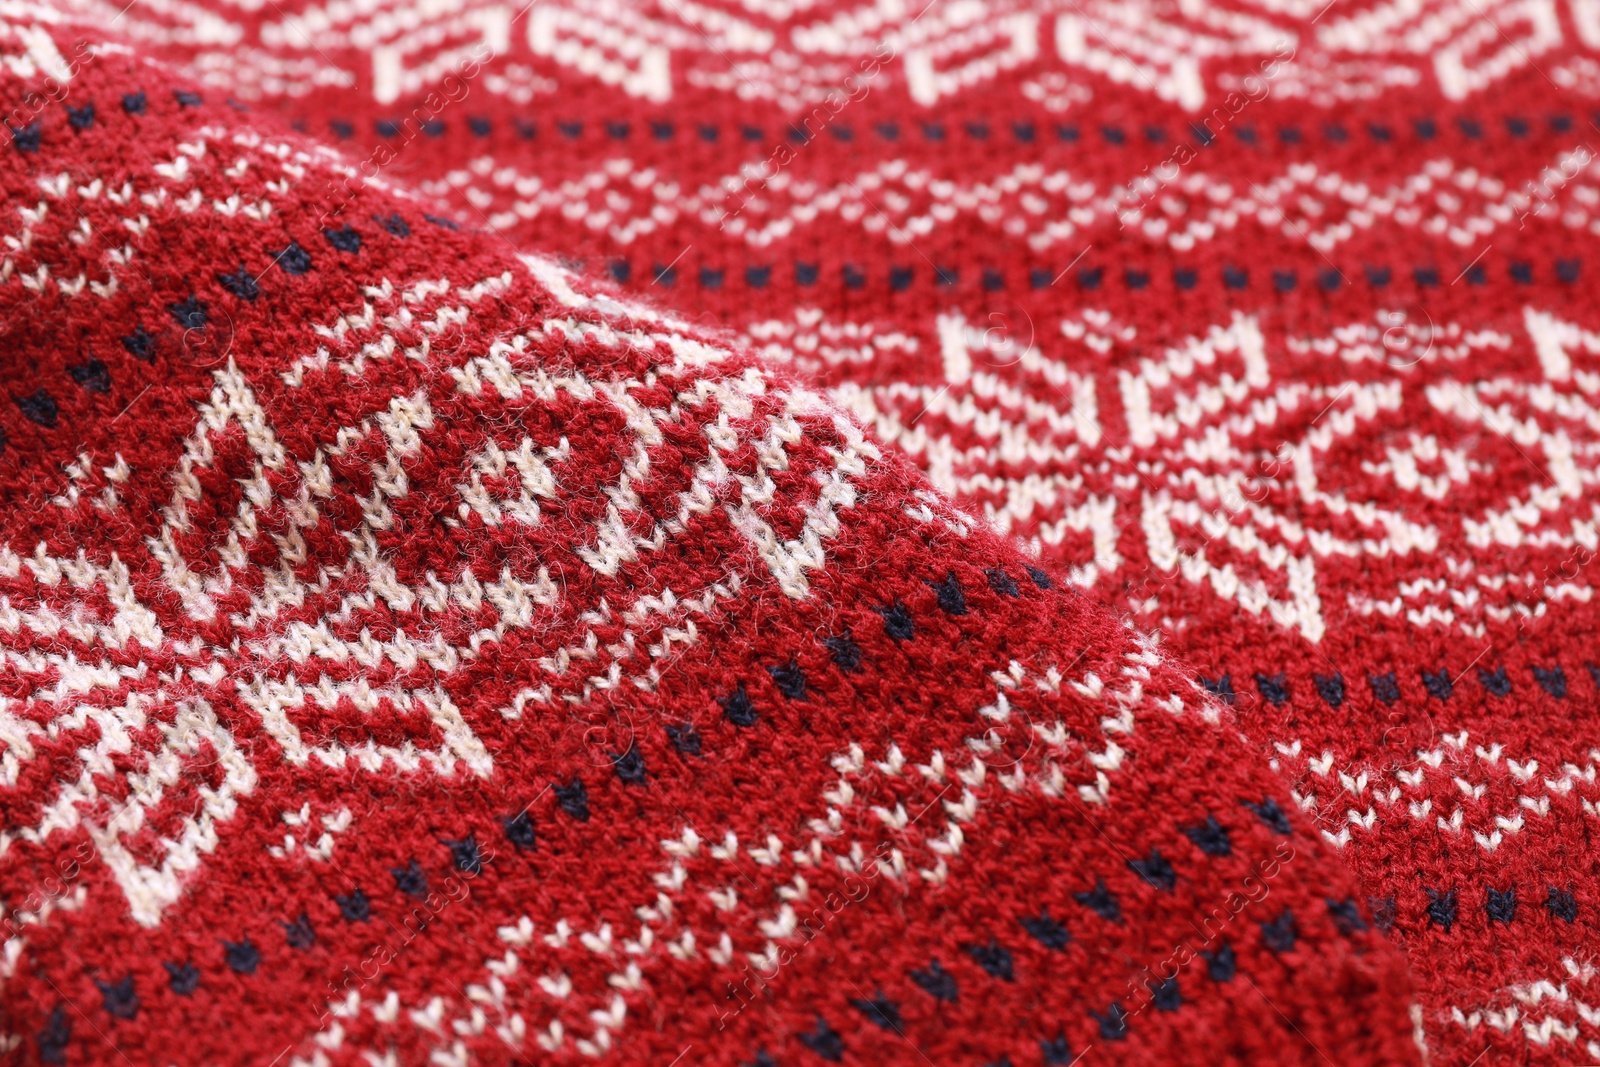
1095, 564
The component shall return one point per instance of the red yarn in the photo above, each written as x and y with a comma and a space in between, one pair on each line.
418, 652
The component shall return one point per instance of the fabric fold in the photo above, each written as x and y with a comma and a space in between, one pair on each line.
417, 653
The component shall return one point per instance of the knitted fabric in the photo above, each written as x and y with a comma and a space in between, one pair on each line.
418, 651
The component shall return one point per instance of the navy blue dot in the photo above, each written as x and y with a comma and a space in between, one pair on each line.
1501, 907
993, 958
411, 880
629, 765
466, 855
1221, 965
1045, 930
182, 978
937, 982
684, 738
393, 223
55, 1037
345, 239
1056, 1051
299, 934
1442, 908
355, 908
118, 998
520, 832
1273, 688
1210, 837
952, 601
294, 259
241, 283
1001, 582
790, 680
1269, 812
736, 707
39, 407
1346, 916
1330, 687
573, 798
92, 375
1100, 901
26, 137
1156, 870
1496, 681
140, 345
897, 622
242, 957
845, 652
824, 1041
881, 1012
1114, 1023
1280, 934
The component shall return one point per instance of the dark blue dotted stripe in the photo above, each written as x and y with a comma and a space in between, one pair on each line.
1566, 270
29, 137
93, 376
1439, 684
1020, 131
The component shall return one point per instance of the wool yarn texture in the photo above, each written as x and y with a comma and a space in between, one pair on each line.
780, 534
